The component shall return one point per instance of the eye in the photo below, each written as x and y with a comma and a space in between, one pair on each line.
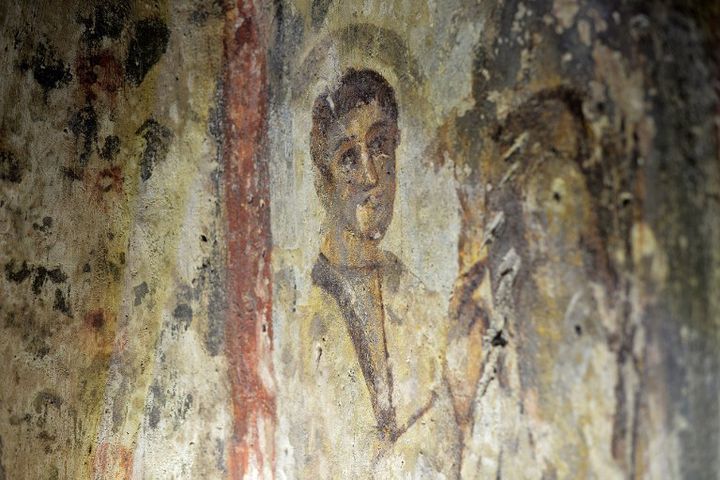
377, 144
349, 159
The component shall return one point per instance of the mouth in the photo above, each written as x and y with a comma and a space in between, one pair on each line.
371, 215
373, 201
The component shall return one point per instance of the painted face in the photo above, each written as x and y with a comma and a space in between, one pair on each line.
362, 171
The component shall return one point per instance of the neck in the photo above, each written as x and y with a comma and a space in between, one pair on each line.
346, 249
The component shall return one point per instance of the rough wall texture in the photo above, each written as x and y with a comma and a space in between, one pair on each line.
517, 277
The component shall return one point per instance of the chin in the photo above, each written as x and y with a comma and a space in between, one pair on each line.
371, 224
375, 231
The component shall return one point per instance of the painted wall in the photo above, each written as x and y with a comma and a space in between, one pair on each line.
221, 258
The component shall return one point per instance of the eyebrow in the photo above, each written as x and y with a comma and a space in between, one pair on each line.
373, 128
378, 125
341, 142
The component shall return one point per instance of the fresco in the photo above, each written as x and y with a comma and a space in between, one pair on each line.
378, 239
456, 297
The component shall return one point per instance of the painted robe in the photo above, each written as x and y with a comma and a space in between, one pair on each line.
347, 431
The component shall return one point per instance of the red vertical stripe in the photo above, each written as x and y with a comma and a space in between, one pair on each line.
248, 331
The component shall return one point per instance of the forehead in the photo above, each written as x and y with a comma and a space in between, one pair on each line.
359, 120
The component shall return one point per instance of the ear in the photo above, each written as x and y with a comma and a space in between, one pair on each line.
396, 134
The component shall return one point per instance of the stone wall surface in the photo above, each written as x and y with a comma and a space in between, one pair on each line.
377, 239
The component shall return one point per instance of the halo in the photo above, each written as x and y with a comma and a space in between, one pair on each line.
359, 46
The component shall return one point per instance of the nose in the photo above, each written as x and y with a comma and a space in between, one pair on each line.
369, 171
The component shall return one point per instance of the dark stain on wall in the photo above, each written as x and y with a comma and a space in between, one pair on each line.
46, 225
106, 265
72, 173
83, 124
99, 69
149, 41
45, 400
10, 167
206, 10
110, 148
107, 21
156, 404
157, 141
319, 12
61, 303
140, 291
38, 347
19, 275
41, 274
48, 70
183, 314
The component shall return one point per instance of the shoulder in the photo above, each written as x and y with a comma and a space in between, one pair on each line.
410, 305
397, 278
402, 282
